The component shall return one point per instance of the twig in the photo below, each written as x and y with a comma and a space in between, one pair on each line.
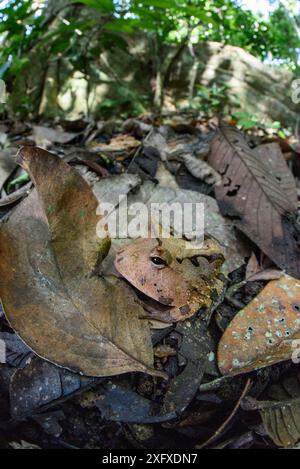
228, 420
213, 385
15, 196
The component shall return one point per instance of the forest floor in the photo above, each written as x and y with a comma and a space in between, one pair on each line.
230, 382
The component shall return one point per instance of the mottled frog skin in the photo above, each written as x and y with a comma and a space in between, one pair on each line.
179, 278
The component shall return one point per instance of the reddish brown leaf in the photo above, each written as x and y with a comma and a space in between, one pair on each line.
255, 271
271, 155
252, 196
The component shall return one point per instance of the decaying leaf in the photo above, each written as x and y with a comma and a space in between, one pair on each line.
272, 157
281, 413
51, 293
114, 188
17, 354
120, 144
255, 271
41, 384
119, 403
44, 136
12, 198
253, 194
197, 353
262, 333
199, 168
50, 422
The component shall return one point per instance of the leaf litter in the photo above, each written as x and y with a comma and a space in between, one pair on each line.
186, 352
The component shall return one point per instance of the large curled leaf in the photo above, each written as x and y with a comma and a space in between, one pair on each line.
51, 293
253, 193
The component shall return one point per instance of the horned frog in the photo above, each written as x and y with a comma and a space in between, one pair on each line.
178, 278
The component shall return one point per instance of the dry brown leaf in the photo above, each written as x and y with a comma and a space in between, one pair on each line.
255, 271
43, 136
121, 143
164, 351
262, 334
198, 168
54, 385
252, 196
273, 158
281, 412
51, 293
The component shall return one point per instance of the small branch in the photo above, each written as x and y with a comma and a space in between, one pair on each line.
15, 196
229, 419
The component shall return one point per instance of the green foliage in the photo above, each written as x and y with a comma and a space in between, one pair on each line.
79, 31
247, 121
211, 101
283, 38
169, 20
125, 103
103, 5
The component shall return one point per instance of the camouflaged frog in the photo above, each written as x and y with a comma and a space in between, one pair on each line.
179, 279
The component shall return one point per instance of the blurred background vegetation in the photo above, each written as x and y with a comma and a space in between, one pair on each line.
107, 57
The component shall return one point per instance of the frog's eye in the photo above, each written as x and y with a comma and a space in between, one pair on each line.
158, 261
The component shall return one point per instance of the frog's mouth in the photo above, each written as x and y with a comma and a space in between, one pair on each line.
153, 309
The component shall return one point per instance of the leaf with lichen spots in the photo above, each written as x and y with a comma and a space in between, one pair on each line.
51, 292
262, 333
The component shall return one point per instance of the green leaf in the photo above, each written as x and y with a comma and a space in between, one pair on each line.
19, 180
105, 5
